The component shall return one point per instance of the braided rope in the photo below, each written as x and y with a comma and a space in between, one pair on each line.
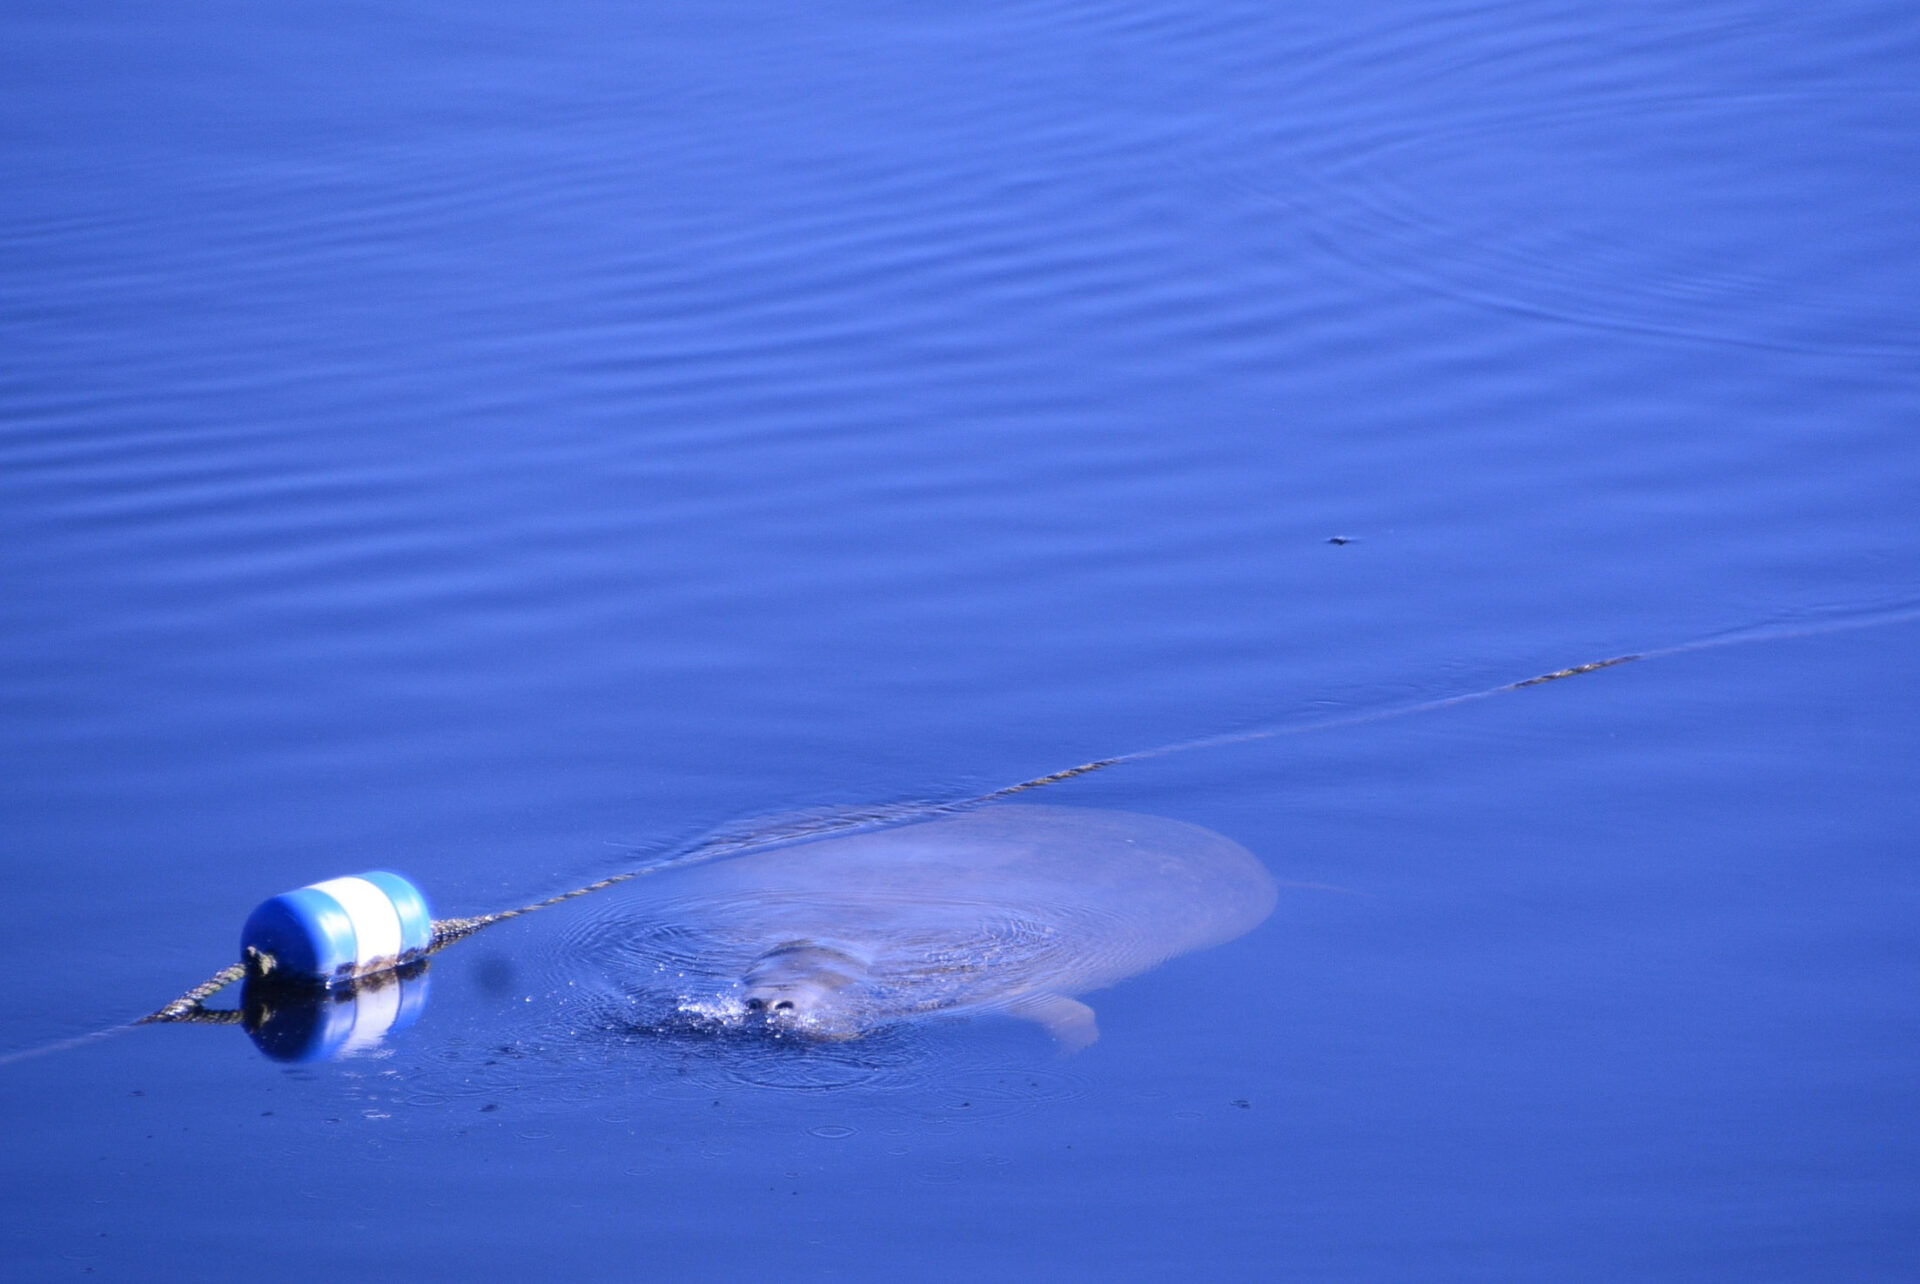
188, 1005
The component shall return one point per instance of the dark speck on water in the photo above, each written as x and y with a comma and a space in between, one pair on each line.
506, 443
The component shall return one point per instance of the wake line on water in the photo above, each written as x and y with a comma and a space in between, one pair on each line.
190, 1007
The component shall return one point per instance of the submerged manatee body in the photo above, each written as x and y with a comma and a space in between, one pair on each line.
1012, 908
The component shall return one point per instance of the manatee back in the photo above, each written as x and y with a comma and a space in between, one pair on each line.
1020, 896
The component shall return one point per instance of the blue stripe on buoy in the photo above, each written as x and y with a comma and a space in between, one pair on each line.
307, 933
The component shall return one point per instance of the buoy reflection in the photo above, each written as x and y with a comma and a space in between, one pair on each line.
308, 1023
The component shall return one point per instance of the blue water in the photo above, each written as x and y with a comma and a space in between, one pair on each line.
508, 442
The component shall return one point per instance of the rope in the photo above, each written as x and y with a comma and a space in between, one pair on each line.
189, 1007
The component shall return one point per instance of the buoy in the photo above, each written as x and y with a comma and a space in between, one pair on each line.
339, 930
307, 1023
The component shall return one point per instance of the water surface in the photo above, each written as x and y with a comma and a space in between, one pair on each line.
506, 443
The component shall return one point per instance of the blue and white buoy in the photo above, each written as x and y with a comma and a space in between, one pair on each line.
338, 930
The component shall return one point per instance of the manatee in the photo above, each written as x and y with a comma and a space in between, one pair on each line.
1011, 908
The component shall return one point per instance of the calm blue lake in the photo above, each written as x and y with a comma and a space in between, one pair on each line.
508, 443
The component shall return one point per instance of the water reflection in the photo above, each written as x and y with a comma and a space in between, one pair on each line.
311, 1023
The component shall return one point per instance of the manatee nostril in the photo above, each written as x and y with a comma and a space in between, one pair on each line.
784, 1005
756, 1005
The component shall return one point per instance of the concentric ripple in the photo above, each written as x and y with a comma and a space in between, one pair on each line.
1774, 221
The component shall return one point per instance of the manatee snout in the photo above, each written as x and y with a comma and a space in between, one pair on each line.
799, 983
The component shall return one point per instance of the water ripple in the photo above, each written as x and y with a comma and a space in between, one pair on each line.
1769, 220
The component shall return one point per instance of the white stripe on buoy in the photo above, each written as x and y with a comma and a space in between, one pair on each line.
376, 924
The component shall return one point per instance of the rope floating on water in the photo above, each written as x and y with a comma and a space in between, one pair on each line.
1574, 672
190, 1006
184, 1007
